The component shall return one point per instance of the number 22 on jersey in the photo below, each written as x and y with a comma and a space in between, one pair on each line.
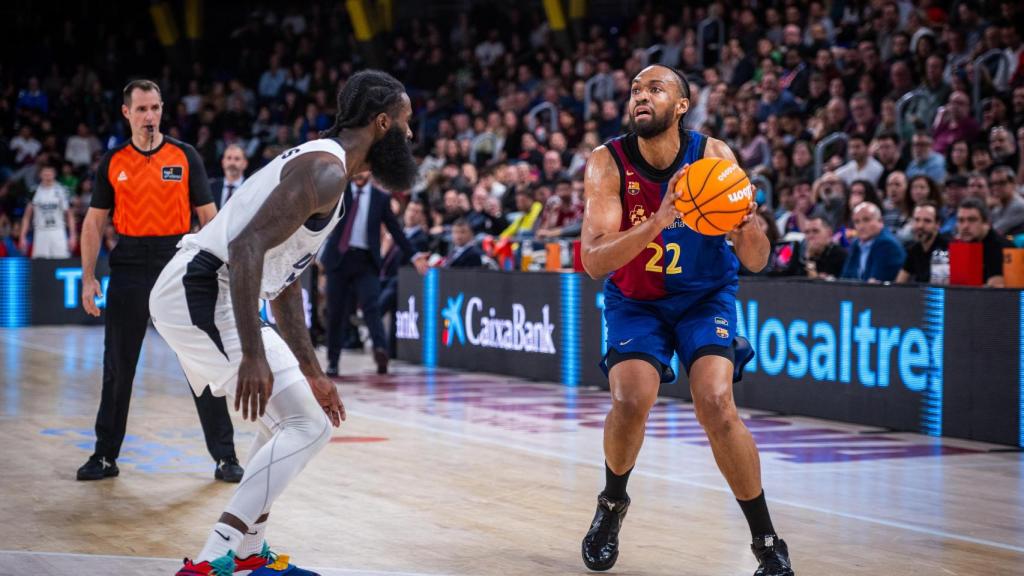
655, 263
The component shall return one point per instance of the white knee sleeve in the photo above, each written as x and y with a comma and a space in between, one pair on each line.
298, 430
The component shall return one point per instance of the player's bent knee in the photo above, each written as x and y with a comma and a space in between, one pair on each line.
632, 406
716, 411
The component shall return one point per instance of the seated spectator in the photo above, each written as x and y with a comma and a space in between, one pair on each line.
956, 191
927, 240
924, 189
958, 158
485, 216
897, 207
563, 208
1003, 147
525, 219
822, 258
956, 124
981, 158
805, 205
1007, 205
862, 166
887, 150
924, 160
876, 255
861, 191
463, 253
973, 224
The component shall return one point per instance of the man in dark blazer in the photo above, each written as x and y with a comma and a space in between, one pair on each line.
463, 254
876, 255
352, 260
417, 220
234, 164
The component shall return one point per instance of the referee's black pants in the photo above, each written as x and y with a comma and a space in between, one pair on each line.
135, 264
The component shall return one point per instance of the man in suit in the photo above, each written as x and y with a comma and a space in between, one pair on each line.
416, 224
234, 164
876, 255
463, 253
352, 260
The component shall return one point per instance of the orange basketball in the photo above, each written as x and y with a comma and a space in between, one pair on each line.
715, 195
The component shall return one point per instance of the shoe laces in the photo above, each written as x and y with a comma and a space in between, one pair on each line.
275, 561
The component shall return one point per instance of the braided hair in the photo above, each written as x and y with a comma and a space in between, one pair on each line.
365, 95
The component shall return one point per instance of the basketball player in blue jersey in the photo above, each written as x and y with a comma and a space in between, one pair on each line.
670, 289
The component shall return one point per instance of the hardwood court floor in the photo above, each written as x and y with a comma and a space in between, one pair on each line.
455, 473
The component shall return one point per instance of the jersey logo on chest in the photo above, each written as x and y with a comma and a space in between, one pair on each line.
637, 215
172, 173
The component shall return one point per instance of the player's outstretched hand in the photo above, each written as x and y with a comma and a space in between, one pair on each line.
326, 393
668, 213
255, 385
91, 290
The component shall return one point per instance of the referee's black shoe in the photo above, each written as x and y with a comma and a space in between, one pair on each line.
601, 544
98, 468
228, 470
772, 556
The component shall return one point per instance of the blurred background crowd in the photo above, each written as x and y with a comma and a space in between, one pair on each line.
913, 107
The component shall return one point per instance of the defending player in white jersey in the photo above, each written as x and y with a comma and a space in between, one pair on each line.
50, 218
206, 305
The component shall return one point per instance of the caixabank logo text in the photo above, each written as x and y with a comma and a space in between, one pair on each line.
470, 323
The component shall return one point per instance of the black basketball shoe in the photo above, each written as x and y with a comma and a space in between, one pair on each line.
772, 556
601, 544
228, 470
98, 468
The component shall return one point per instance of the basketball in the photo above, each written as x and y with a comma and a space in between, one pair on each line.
715, 195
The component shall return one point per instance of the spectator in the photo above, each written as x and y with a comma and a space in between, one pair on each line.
898, 207
956, 191
887, 150
273, 79
823, 259
981, 158
958, 158
1003, 147
82, 147
924, 160
563, 209
485, 216
526, 217
1007, 206
876, 255
25, 147
927, 240
956, 123
805, 205
463, 253
973, 225
862, 166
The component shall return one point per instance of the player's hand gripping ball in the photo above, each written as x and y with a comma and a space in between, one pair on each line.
714, 196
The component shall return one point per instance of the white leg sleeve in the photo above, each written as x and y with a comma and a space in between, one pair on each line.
298, 430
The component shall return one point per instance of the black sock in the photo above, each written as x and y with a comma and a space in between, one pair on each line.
758, 518
614, 485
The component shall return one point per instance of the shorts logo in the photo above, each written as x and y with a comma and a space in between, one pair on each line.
122, 176
633, 187
721, 332
173, 173
721, 321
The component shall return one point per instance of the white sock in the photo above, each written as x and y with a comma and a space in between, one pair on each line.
252, 541
222, 539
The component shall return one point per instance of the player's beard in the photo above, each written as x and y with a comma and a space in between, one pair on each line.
652, 127
392, 162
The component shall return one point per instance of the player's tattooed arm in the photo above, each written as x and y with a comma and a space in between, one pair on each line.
606, 248
311, 184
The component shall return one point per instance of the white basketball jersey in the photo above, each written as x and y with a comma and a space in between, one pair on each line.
284, 263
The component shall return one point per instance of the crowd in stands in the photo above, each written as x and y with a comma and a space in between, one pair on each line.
925, 158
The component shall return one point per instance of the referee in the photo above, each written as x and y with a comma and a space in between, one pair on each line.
151, 183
